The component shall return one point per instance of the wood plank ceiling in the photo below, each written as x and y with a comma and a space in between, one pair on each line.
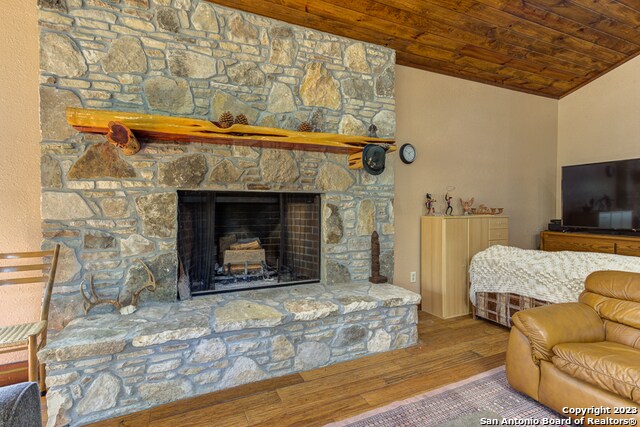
545, 47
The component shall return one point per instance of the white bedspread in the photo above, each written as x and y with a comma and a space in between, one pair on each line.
548, 276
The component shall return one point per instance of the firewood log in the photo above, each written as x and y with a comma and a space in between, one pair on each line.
240, 257
225, 243
246, 246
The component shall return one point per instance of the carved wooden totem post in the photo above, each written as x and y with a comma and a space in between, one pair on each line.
375, 260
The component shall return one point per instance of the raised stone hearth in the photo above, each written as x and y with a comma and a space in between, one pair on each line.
107, 365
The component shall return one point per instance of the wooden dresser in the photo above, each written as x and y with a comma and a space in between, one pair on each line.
584, 242
447, 245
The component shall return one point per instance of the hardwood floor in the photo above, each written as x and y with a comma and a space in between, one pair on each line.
13, 377
448, 351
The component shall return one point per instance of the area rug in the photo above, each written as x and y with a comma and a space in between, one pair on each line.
467, 403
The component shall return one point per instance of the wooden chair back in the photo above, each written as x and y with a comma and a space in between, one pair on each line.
34, 267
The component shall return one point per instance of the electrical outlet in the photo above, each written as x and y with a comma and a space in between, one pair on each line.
414, 277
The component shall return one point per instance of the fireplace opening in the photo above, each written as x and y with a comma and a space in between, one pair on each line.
229, 241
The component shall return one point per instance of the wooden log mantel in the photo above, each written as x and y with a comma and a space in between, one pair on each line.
185, 130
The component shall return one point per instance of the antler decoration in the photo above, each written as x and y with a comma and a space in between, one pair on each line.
94, 300
150, 286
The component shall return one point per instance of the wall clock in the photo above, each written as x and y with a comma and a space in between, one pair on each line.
407, 153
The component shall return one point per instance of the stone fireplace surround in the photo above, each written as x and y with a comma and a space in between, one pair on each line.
192, 58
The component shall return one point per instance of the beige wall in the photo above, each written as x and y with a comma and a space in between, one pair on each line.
496, 145
601, 121
20, 147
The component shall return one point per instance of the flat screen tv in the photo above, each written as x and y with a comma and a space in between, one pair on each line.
602, 196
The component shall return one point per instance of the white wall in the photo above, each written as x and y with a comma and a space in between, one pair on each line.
493, 144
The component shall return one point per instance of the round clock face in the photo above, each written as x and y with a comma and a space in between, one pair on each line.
407, 153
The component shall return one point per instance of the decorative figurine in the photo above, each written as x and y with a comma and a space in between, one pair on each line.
448, 198
373, 131
466, 206
375, 260
483, 210
429, 204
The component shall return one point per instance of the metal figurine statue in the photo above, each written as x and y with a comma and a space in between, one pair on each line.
449, 210
448, 198
429, 204
375, 260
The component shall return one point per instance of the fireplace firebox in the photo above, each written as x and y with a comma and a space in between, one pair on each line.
229, 241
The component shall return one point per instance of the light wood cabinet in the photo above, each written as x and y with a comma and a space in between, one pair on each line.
447, 245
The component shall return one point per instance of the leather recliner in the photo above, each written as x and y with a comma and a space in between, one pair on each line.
584, 354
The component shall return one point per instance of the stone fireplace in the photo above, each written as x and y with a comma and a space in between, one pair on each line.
230, 241
190, 209
193, 58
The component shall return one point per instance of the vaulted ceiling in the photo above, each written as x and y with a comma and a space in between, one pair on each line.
545, 47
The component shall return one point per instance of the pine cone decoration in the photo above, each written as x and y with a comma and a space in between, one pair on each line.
316, 120
241, 119
305, 127
226, 120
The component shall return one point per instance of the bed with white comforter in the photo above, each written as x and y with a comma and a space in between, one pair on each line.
552, 277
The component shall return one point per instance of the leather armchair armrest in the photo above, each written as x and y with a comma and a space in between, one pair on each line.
547, 326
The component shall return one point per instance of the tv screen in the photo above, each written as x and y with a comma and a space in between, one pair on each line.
602, 195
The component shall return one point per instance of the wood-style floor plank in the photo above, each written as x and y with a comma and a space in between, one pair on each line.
447, 351
139, 419
213, 399
432, 379
13, 377
228, 412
